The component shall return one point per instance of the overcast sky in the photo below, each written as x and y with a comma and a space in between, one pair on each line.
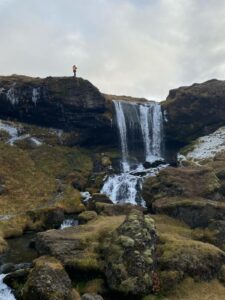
133, 47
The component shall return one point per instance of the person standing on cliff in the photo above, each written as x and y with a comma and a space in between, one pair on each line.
75, 71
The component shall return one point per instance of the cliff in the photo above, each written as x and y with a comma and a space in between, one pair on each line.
59, 102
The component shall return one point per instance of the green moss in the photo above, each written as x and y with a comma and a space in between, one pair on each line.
126, 241
71, 201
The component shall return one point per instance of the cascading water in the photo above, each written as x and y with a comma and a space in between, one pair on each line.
120, 117
140, 128
5, 291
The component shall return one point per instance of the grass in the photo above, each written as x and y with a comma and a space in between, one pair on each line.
191, 290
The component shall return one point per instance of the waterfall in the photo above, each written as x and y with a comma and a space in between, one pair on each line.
140, 129
121, 124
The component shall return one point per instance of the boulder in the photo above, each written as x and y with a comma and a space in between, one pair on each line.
129, 255
91, 297
87, 216
48, 281
15, 280
77, 247
181, 182
187, 257
196, 212
194, 111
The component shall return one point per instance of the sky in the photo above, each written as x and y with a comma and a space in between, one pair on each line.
139, 48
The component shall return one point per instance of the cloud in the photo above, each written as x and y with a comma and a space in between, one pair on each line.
131, 47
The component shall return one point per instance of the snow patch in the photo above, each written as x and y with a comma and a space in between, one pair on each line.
14, 134
206, 147
36, 141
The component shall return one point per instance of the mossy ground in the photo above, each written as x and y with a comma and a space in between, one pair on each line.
39, 177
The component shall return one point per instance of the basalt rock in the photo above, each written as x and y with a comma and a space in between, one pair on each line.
60, 102
194, 111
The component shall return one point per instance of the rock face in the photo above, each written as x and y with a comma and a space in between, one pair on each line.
129, 255
61, 102
48, 281
194, 111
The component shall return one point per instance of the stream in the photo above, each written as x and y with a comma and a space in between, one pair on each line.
17, 257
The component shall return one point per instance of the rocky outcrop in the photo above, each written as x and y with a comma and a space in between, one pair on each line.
182, 182
194, 111
129, 255
59, 102
196, 212
193, 195
76, 247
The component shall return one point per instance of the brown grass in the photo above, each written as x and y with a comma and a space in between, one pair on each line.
191, 290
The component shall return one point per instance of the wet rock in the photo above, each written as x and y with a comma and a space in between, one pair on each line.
154, 164
91, 297
98, 198
129, 255
48, 280
15, 280
7, 268
87, 216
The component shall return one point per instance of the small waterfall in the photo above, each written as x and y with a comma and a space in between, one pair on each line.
140, 128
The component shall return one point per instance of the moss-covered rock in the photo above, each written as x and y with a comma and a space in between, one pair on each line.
182, 182
78, 247
129, 255
48, 281
87, 216
196, 212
